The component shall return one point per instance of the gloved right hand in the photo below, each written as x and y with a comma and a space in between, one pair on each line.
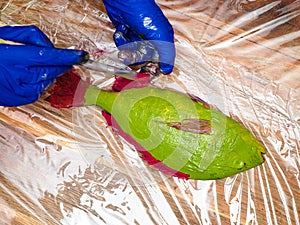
27, 69
142, 21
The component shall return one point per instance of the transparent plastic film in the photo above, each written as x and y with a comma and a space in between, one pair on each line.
67, 166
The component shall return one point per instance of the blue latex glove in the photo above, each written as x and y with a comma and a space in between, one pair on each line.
137, 20
27, 70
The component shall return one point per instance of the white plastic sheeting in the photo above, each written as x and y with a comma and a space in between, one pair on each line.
65, 166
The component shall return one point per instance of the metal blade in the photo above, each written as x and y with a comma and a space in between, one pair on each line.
109, 69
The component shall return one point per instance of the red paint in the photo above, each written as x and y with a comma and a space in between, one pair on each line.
107, 117
98, 53
121, 83
69, 90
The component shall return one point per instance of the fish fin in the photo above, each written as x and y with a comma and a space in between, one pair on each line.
197, 99
121, 83
107, 117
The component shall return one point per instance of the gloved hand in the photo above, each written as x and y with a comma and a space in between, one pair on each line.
26, 70
137, 20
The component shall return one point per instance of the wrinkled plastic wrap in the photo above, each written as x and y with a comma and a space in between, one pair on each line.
65, 166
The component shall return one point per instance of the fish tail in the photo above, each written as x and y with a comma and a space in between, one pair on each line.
68, 90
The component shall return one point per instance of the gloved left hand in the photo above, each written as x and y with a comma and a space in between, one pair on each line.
27, 69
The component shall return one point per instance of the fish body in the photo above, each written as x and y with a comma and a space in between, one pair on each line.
181, 132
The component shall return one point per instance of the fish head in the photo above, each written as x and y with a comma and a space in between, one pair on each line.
236, 151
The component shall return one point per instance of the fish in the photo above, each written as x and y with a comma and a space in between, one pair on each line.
176, 132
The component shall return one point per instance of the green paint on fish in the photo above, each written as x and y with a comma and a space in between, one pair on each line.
186, 135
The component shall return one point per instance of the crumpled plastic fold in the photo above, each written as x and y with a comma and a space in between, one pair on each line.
66, 166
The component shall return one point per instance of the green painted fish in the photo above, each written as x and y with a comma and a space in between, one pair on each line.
178, 133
